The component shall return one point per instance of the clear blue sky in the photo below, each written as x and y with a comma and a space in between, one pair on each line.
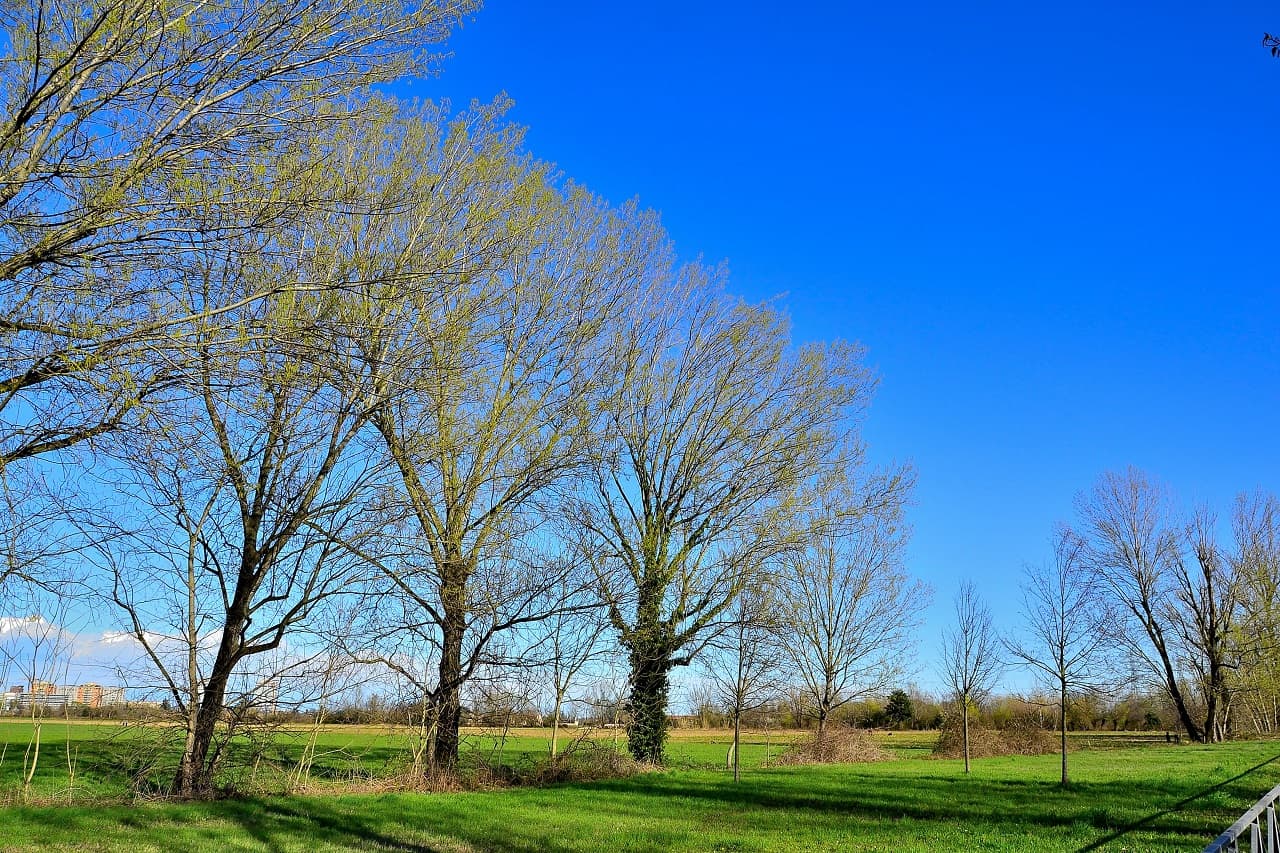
1054, 226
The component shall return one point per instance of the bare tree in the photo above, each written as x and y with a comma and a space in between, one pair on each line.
1177, 609
970, 656
742, 662
36, 645
850, 607
222, 538
714, 425
571, 640
1205, 598
1066, 628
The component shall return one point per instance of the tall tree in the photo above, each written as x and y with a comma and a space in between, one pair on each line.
970, 656
714, 426
1066, 628
232, 499
1172, 586
479, 308
1255, 566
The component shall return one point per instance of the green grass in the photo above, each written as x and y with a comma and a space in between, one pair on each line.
1150, 798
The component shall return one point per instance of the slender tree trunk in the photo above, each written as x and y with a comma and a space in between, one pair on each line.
964, 725
737, 743
555, 723
1062, 729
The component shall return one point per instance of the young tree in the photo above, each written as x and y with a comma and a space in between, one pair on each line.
970, 656
849, 605
713, 427
741, 663
571, 640
1066, 628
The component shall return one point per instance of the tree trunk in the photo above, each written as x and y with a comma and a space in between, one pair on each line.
1062, 730
195, 770
650, 687
555, 724
1171, 681
737, 742
450, 687
964, 725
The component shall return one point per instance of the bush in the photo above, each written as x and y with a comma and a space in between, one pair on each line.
1022, 736
835, 746
587, 761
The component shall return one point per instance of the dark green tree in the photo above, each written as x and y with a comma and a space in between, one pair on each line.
899, 712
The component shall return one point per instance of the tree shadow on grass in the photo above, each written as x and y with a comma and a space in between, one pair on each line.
1151, 819
1007, 805
268, 821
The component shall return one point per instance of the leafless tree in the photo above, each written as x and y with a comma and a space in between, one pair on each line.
970, 656
850, 607
743, 663
1066, 638
221, 540
1177, 607
566, 645
1206, 597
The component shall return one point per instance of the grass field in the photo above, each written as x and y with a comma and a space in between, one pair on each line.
1126, 798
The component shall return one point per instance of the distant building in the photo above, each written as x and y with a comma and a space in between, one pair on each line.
46, 694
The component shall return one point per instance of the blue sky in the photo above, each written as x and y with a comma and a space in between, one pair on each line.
1054, 226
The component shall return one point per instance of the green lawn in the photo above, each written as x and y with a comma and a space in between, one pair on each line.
1149, 798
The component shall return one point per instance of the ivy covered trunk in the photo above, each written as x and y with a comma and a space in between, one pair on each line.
650, 689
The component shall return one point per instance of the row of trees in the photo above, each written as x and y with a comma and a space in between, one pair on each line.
1137, 595
306, 383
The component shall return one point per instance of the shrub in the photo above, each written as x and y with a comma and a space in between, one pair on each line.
835, 746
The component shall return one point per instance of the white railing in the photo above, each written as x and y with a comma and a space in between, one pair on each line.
1259, 824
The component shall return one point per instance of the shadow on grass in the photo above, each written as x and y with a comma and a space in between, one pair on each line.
1178, 806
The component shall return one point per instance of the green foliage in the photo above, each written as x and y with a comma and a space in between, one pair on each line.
899, 712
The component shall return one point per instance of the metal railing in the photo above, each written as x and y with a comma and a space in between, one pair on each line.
1258, 823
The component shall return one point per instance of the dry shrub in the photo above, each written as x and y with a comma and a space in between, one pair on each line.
835, 746
588, 761
1020, 737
